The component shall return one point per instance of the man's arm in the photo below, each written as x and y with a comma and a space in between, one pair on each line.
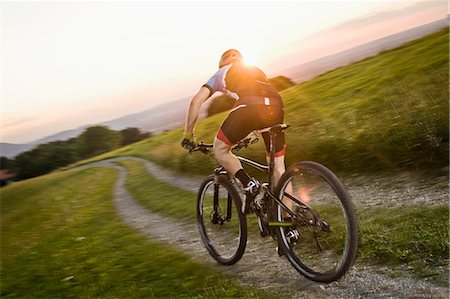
194, 108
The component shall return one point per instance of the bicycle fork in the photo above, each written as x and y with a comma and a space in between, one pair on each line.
217, 217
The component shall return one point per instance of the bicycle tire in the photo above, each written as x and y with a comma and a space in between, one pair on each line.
225, 242
339, 250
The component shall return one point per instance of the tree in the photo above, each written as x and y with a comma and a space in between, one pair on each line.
5, 163
43, 159
281, 83
132, 135
50, 156
220, 104
5, 171
96, 140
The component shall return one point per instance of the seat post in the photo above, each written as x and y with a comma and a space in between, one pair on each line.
272, 138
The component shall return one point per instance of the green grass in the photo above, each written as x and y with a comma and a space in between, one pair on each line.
163, 198
158, 196
385, 113
62, 238
414, 236
389, 111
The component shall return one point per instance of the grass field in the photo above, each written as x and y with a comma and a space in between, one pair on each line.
62, 238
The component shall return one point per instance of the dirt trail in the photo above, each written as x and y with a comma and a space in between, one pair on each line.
261, 266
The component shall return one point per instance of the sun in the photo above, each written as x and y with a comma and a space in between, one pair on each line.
251, 55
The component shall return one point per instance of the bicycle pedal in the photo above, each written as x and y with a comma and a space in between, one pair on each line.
214, 218
263, 229
293, 236
264, 233
280, 251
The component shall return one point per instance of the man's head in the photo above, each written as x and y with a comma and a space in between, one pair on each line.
230, 56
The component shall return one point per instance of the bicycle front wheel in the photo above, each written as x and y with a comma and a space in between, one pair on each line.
322, 241
223, 227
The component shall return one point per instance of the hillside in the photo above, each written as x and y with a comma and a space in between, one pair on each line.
385, 113
309, 70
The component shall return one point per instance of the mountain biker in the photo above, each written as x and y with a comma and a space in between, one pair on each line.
257, 106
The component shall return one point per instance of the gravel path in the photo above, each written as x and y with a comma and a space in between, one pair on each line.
260, 266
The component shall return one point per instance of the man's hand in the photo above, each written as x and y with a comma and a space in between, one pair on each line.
188, 142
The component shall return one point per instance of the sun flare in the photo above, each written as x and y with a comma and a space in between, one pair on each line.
251, 55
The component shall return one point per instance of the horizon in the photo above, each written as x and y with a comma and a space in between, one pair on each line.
100, 95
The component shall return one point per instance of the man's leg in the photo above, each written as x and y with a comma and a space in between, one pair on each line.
225, 158
279, 169
232, 164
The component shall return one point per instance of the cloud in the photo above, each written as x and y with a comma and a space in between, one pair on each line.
16, 122
439, 8
360, 30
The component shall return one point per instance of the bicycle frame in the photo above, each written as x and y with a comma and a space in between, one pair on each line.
268, 169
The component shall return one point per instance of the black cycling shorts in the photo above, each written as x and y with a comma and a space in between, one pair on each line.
244, 120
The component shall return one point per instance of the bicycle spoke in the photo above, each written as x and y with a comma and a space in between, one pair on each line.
321, 243
221, 225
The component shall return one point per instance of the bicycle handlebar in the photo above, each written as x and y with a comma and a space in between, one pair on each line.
202, 147
244, 143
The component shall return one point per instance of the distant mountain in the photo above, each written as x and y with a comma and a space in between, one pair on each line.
172, 114
10, 150
163, 117
309, 70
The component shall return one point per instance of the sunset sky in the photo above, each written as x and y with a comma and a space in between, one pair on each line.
67, 64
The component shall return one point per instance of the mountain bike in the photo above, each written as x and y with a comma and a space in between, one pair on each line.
309, 213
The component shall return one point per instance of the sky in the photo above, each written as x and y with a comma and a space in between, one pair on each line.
67, 64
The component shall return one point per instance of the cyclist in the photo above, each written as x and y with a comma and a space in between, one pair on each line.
257, 106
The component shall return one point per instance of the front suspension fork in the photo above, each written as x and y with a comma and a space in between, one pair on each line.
217, 217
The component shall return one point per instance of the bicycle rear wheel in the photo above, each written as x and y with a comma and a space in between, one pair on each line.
322, 241
223, 227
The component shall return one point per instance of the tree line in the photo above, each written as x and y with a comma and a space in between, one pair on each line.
47, 157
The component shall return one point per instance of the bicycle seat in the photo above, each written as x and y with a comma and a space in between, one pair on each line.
276, 128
